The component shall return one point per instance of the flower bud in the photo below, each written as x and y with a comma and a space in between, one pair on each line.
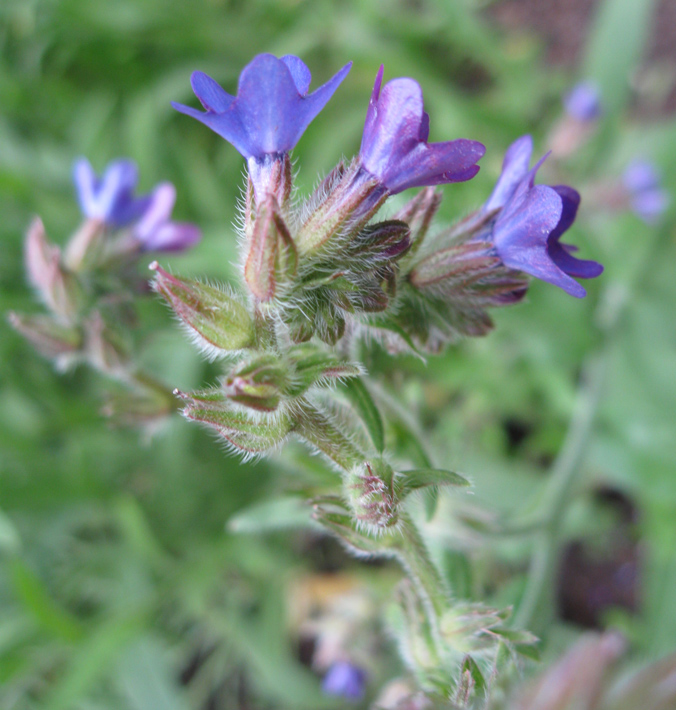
258, 384
314, 366
418, 214
57, 288
247, 433
86, 246
104, 347
51, 338
345, 208
370, 492
217, 322
272, 256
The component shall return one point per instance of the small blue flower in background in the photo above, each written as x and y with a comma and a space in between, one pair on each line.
110, 198
527, 231
156, 232
583, 102
394, 146
345, 680
648, 199
272, 108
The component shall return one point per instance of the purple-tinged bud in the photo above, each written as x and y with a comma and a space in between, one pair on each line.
643, 185
251, 434
468, 274
370, 491
272, 257
155, 231
109, 199
583, 102
57, 288
258, 384
394, 146
345, 680
50, 337
379, 243
217, 321
352, 200
418, 213
104, 348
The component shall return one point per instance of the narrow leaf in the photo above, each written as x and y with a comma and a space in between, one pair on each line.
362, 401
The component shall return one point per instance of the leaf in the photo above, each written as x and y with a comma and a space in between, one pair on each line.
92, 660
362, 401
33, 593
469, 665
410, 481
272, 515
147, 679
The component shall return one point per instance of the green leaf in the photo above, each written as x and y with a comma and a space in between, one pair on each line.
409, 481
272, 515
470, 666
32, 592
362, 401
92, 660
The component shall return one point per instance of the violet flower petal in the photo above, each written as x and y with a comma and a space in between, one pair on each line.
520, 236
344, 680
394, 147
583, 101
111, 197
172, 237
514, 169
271, 110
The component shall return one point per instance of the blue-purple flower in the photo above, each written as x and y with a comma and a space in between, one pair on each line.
344, 680
111, 201
394, 146
110, 198
647, 197
272, 107
527, 230
156, 232
583, 102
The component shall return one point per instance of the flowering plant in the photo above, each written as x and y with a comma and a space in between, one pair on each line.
323, 275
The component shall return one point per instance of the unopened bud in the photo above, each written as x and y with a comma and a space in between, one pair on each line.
468, 275
272, 257
250, 434
347, 207
258, 384
418, 214
86, 246
378, 243
314, 366
104, 347
57, 288
370, 491
217, 321
51, 338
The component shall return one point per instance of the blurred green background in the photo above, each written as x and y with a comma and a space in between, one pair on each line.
120, 585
